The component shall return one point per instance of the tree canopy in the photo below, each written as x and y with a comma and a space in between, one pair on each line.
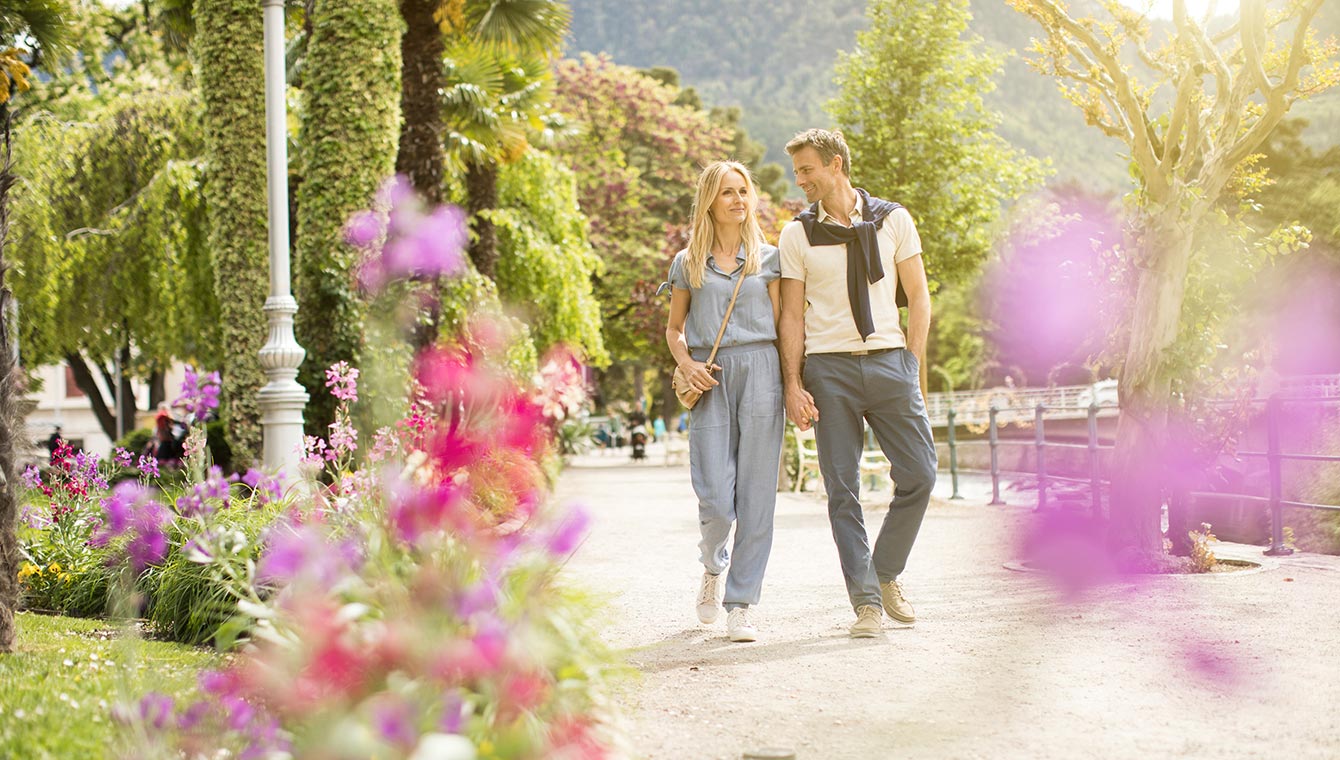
912, 111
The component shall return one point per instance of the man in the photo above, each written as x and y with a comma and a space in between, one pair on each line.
843, 262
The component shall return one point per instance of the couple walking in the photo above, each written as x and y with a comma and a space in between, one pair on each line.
814, 334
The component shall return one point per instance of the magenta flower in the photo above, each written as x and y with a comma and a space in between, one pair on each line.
568, 533
342, 380
403, 242
156, 709
199, 394
124, 458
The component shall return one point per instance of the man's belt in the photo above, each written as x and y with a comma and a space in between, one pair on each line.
864, 352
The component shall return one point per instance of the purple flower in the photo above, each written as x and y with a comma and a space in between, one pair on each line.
149, 544
395, 722
156, 709
215, 485
413, 244
569, 532
364, 229
148, 466
191, 716
481, 597
252, 477
119, 508
191, 505
304, 551
32, 477
124, 458
453, 713
199, 395
239, 713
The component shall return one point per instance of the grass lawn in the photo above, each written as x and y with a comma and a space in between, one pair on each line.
57, 688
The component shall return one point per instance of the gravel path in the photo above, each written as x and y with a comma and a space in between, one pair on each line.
1242, 664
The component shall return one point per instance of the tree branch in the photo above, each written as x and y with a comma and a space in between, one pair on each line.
1142, 138
83, 377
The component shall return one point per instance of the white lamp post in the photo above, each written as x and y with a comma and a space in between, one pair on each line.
282, 399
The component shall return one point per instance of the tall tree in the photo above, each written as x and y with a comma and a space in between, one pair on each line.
351, 114
637, 156
230, 69
42, 22
1228, 90
113, 266
506, 35
547, 262
912, 111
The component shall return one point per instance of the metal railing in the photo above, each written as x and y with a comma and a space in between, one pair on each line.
1297, 395
1274, 456
1040, 445
1016, 405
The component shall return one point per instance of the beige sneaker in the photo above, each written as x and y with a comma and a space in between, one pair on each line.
709, 596
895, 604
739, 627
869, 622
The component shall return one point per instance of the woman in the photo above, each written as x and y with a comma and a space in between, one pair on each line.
735, 430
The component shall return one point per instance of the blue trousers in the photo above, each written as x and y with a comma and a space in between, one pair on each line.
883, 390
735, 448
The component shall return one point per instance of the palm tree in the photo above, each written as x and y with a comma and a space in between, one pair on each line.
41, 25
492, 103
494, 52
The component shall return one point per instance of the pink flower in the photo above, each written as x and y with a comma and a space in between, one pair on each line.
343, 436
342, 380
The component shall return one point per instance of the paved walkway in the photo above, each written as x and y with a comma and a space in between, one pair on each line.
1242, 665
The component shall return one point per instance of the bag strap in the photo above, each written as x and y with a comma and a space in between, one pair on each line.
729, 307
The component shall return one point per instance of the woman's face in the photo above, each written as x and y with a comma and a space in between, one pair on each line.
732, 201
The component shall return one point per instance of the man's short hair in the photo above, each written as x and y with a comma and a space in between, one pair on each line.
827, 143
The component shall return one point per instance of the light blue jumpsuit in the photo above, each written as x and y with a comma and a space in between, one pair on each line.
735, 430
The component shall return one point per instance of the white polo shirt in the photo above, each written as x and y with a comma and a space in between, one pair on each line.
829, 325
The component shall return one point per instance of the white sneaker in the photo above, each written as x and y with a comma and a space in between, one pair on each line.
739, 627
709, 598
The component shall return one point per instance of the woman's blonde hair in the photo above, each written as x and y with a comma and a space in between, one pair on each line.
702, 234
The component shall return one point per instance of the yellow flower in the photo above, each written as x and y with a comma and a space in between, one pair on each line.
29, 569
54, 567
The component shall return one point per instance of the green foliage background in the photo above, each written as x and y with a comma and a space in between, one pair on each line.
350, 130
229, 65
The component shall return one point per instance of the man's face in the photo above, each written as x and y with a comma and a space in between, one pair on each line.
813, 176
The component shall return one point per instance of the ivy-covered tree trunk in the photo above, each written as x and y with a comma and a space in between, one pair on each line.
11, 418
1138, 477
481, 197
349, 142
421, 156
230, 69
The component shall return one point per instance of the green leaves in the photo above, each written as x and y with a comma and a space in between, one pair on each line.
111, 234
912, 111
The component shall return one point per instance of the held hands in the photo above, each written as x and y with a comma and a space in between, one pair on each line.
699, 374
800, 406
